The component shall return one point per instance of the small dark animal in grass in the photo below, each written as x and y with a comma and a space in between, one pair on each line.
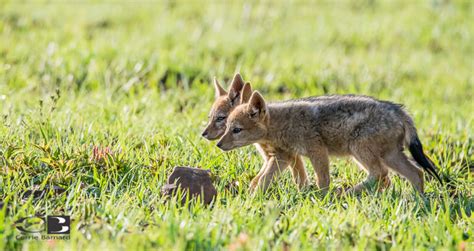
193, 181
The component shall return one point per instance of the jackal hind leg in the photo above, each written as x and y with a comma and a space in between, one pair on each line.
368, 160
397, 161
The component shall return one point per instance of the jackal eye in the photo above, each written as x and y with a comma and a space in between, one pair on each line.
236, 130
220, 118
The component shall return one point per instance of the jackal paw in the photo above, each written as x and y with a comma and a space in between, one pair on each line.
303, 185
254, 184
339, 191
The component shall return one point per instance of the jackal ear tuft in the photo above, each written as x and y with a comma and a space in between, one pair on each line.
219, 90
235, 88
246, 93
257, 106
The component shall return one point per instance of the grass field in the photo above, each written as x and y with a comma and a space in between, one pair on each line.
134, 80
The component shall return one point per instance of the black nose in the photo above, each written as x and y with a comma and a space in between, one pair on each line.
219, 144
204, 134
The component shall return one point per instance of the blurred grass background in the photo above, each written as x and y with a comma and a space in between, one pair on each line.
135, 77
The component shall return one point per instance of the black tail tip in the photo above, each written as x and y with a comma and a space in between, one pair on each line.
416, 149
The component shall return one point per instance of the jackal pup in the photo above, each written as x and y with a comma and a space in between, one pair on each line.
373, 132
224, 104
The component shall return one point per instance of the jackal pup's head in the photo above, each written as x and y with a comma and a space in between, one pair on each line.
224, 104
247, 124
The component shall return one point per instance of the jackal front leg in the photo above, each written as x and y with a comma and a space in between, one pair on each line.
299, 172
254, 182
265, 157
275, 165
320, 161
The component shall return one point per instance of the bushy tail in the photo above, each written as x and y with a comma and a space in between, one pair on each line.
416, 149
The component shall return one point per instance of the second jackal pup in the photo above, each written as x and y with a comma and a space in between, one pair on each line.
224, 104
373, 132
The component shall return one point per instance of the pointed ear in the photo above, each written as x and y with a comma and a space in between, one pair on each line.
246, 93
235, 88
219, 90
257, 107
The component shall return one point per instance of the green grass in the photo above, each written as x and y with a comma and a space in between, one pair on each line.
135, 77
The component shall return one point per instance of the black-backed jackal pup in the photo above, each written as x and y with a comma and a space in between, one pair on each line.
373, 132
224, 104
